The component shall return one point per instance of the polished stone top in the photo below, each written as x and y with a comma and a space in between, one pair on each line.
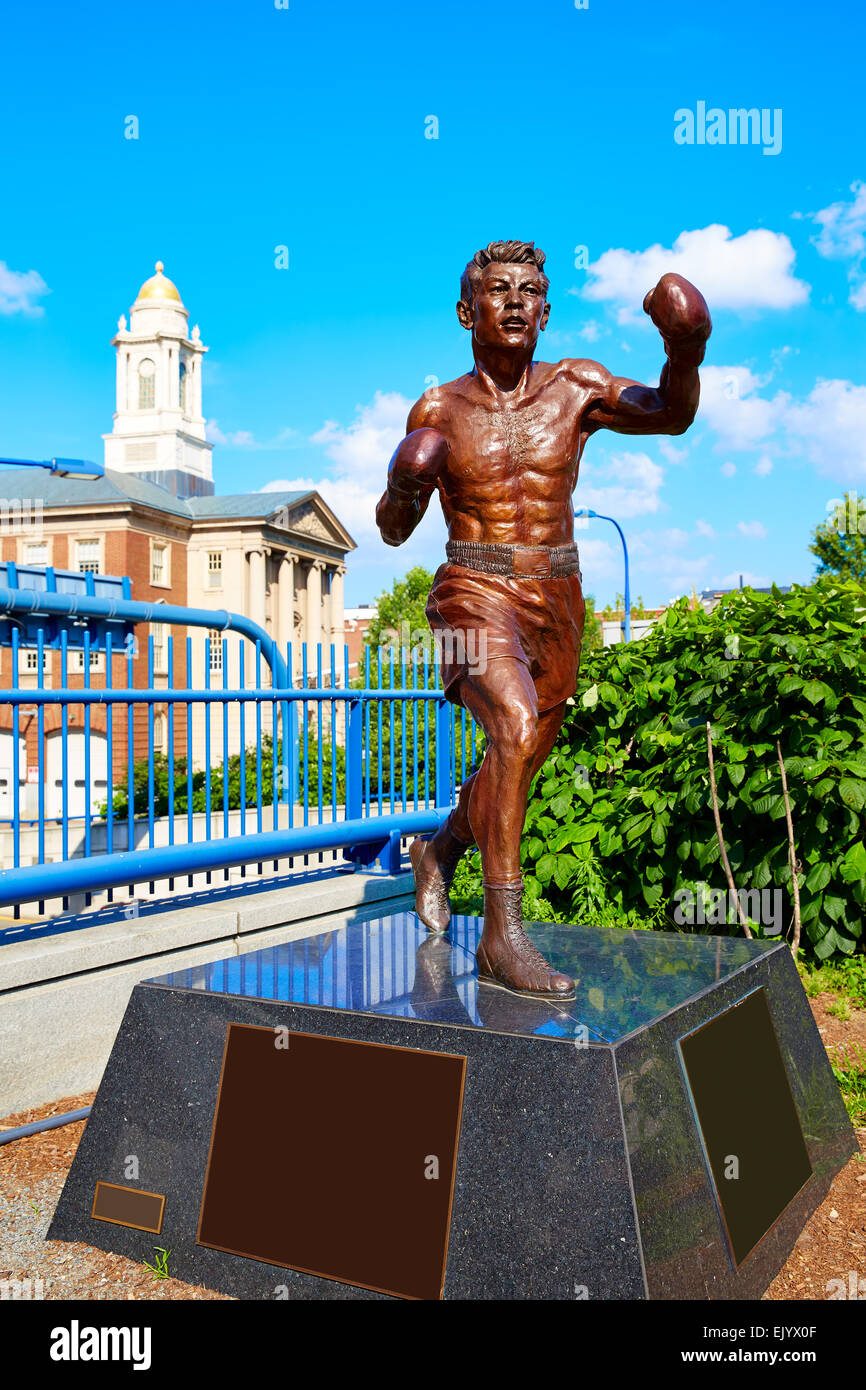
393, 966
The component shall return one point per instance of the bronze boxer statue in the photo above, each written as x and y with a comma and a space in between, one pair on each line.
502, 446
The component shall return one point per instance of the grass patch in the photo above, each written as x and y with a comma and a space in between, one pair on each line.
160, 1269
846, 978
852, 1081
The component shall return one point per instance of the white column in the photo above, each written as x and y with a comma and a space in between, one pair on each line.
121, 379
257, 587
326, 619
314, 614
286, 602
338, 631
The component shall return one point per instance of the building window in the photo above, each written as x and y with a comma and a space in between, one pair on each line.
182, 387
159, 565
31, 659
36, 553
160, 650
214, 569
78, 661
87, 557
216, 650
146, 385
160, 733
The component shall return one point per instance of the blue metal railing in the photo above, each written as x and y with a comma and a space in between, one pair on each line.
356, 767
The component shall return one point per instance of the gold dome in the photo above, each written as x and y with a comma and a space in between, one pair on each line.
159, 287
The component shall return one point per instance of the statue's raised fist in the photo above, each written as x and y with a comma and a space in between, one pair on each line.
417, 462
679, 311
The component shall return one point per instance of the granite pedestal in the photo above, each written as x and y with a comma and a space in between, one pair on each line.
352, 1116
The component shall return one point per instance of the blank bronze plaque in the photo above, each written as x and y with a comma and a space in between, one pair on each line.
748, 1121
127, 1206
320, 1155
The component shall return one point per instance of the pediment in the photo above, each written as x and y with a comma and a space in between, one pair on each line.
313, 517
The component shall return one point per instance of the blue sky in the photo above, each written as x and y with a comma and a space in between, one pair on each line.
305, 127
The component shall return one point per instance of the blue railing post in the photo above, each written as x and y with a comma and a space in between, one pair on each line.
444, 784
355, 760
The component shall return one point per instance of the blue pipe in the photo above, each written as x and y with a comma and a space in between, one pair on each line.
131, 696
37, 882
39, 1126
129, 610
587, 511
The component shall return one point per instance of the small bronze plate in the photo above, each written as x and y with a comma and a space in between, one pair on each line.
127, 1206
335, 1158
747, 1119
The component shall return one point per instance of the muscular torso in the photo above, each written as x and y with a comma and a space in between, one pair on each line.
513, 461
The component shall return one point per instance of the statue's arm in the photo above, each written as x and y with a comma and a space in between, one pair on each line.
680, 313
412, 475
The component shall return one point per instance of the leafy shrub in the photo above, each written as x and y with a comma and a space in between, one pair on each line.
760, 668
620, 817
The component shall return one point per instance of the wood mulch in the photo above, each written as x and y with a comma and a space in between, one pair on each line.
32, 1172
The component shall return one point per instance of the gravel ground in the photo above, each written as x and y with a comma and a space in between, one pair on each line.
32, 1173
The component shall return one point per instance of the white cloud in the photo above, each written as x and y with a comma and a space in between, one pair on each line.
236, 439
364, 447
730, 406
625, 485
591, 331
19, 289
598, 561
858, 296
828, 426
245, 439
704, 528
831, 426
670, 453
664, 554
843, 226
358, 455
752, 271
752, 530
843, 238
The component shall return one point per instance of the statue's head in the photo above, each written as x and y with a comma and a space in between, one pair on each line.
503, 295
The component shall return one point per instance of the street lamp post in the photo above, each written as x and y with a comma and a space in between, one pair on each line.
64, 468
626, 624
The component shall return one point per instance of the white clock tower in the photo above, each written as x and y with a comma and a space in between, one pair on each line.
159, 429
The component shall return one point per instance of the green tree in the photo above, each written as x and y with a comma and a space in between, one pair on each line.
617, 609
840, 542
592, 639
401, 610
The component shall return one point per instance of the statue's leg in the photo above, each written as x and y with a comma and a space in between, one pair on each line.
504, 701
435, 860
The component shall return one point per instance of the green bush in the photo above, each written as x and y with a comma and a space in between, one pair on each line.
761, 668
308, 782
620, 817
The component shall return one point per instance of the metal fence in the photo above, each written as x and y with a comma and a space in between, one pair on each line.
220, 768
